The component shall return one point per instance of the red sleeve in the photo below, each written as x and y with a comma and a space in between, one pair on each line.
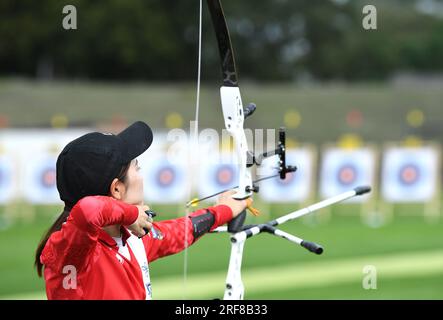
74, 243
174, 232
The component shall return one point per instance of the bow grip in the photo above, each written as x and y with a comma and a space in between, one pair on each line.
236, 224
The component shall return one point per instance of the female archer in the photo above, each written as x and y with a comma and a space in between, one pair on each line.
101, 245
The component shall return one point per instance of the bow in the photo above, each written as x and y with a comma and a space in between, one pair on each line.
234, 115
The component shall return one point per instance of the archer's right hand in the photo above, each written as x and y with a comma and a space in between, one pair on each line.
237, 206
143, 222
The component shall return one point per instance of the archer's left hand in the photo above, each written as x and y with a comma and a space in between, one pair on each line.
237, 206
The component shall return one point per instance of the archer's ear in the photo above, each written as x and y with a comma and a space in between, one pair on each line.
117, 189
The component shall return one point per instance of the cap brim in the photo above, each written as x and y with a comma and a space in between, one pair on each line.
137, 138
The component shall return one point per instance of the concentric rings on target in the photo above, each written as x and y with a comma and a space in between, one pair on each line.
48, 178
165, 176
347, 175
225, 175
409, 174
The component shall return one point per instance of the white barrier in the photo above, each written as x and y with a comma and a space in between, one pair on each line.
27, 171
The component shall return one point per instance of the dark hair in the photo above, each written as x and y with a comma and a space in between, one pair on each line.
57, 225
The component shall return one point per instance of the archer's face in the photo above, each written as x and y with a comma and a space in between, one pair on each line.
133, 191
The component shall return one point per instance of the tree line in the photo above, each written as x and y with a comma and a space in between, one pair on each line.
273, 40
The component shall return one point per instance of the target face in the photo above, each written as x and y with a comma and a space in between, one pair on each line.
163, 181
48, 178
214, 174
165, 177
344, 169
40, 183
409, 174
347, 175
225, 176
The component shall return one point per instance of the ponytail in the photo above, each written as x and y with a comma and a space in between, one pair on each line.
56, 226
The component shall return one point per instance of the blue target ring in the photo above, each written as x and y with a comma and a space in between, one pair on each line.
48, 178
165, 177
347, 175
224, 175
409, 174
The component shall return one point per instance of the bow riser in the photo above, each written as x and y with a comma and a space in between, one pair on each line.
234, 120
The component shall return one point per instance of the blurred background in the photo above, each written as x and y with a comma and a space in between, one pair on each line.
359, 106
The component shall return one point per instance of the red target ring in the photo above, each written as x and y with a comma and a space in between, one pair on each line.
347, 175
224, 175
166, 176
409, 174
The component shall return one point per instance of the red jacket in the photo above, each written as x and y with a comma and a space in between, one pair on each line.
83, 262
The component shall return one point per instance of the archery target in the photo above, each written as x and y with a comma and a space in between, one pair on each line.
165, 171
297, 186
165, 176
410, 174
164, 182
344, 169
215, 176
47, 178
39, 183
7, 179
224, 176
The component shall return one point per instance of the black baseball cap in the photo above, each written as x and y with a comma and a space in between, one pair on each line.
88, 165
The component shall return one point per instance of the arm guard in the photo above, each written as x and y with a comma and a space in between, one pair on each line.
202, 224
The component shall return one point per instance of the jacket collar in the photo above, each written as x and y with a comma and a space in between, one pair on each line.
104, 237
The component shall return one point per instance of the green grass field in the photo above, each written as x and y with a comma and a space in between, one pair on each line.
407, 253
